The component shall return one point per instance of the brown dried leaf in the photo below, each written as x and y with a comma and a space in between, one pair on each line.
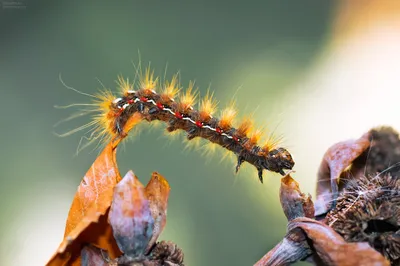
294, 202
333, 249
329, 246
87, 222
88, 209
336, 160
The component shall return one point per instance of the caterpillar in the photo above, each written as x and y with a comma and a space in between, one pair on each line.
114, 113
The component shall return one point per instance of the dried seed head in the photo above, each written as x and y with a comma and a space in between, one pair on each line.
368, 210
383, 152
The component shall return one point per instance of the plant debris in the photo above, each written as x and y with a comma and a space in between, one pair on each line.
363, 228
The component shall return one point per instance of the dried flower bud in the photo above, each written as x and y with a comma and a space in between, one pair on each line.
130, 216
294, 202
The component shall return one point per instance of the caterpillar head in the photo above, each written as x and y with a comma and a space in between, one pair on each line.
278, 160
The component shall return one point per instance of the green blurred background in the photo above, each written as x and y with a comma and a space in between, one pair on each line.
256, 49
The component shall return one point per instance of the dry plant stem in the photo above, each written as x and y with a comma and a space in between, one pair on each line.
285, 253
294, 246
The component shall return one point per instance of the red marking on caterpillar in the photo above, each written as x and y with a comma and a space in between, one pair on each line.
199, 124
178, 115
115, 113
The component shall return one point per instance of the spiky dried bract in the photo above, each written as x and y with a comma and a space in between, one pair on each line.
208, 106
124, 85
168, 252
227, 117
171, 89
368, 210
187, 99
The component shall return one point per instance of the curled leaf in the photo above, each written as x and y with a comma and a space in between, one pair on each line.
336, 160
333, 249
87, 218
306, 236
86, 222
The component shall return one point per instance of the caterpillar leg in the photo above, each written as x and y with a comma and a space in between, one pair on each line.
260, 174
239, 162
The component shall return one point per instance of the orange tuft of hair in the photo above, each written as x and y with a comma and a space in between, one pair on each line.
271, 143
105, 116
148, 82
227, 117
171, 89
208, 107
255, 136
124, 85
188, 99
245, 127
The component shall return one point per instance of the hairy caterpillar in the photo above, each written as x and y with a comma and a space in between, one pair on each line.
114, 113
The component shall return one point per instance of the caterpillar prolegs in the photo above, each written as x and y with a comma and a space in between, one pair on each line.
180, 115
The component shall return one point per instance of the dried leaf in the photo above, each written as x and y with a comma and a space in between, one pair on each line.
294, 202
87, 218
130, 216
86, 222
336, 160
331, 248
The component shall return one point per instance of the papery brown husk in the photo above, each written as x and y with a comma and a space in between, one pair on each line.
369, 198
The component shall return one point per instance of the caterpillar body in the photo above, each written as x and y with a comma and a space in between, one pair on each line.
114, 114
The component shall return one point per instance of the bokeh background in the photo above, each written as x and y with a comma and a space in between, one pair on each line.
314, 72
